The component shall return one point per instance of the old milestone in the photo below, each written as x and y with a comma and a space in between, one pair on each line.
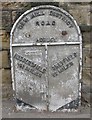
46, 59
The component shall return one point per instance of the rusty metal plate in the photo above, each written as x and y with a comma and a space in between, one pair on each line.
46, 58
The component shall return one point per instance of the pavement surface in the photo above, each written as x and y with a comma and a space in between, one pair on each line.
9, 111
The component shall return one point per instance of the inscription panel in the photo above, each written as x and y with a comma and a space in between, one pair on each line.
45, 25
63, 75
29, 70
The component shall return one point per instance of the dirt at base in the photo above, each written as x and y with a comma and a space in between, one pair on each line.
9, 111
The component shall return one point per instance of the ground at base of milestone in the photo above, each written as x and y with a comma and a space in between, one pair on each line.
9, 111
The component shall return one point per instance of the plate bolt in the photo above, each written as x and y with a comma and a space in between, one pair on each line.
64, 32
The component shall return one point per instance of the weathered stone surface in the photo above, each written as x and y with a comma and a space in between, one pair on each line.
86, 28
6, 20
14, 15
86, 86
80, 13
0, 17
0, 59
16, 5
5, 75
5, 59
86, 92
91, 14
34, 4
0, 41
7, 91
87, 76
4, 37
86, 97
6, 45
86, 58
86, 38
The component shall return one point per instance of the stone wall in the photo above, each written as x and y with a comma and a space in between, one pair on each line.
11, 11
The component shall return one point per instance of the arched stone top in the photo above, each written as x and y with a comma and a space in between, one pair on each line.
45, 24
